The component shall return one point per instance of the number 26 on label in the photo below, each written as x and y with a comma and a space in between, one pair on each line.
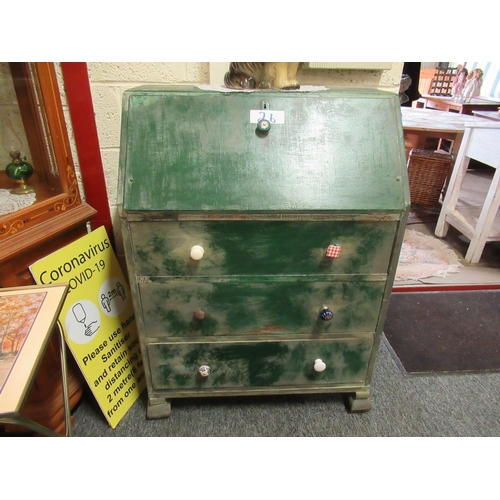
272, 116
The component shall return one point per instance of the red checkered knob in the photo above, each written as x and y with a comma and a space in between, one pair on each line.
333, 251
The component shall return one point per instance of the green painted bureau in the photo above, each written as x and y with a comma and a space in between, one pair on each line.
261, 233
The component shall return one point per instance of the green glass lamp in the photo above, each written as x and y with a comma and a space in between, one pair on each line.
18, 169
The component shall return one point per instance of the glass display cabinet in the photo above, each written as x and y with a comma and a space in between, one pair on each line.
41, 208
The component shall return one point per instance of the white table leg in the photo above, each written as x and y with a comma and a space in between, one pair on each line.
485, 221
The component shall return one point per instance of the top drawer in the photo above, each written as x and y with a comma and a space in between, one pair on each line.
232, 248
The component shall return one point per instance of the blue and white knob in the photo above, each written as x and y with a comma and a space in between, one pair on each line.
325, 314
204, 370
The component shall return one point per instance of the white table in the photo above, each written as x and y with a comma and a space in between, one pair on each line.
420, 124
490, 115
481, 141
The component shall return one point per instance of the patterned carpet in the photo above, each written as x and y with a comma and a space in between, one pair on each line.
423, 256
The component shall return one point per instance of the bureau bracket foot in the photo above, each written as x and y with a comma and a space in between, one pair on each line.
158, 408
358, 402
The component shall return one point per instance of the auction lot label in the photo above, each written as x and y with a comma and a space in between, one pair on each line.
98, 320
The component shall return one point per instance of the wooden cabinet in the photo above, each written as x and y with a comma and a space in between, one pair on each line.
47, 219
261, 255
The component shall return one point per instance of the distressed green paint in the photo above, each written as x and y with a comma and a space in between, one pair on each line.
187, 149
194, 172
260, 364
354, 361
262, 248
259, 308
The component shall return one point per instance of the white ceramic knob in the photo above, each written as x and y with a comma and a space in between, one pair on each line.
319, 366
196, 252
204, 371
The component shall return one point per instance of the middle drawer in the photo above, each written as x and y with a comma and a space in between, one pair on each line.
172, 309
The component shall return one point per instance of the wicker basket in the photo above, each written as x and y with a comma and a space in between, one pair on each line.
427, 174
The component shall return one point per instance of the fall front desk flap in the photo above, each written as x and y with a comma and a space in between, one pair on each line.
183, 148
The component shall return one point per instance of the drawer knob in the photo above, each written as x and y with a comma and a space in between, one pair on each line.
196, 252
204, 370
325, 314
319, 366
263, 126
199, 314
333, 251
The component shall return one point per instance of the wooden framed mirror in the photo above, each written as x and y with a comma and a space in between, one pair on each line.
30, 106
48, 217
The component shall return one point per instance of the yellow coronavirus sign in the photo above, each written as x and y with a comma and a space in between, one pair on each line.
98, 320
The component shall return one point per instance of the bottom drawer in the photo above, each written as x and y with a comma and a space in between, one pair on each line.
259, 364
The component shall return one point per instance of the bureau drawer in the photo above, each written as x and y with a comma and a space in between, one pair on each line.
249, 308
258, 364
162, 248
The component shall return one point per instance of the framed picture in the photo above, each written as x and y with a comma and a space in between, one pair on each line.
27, 318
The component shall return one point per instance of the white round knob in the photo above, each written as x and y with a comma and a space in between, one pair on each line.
319, 366
196, 252
204, 371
